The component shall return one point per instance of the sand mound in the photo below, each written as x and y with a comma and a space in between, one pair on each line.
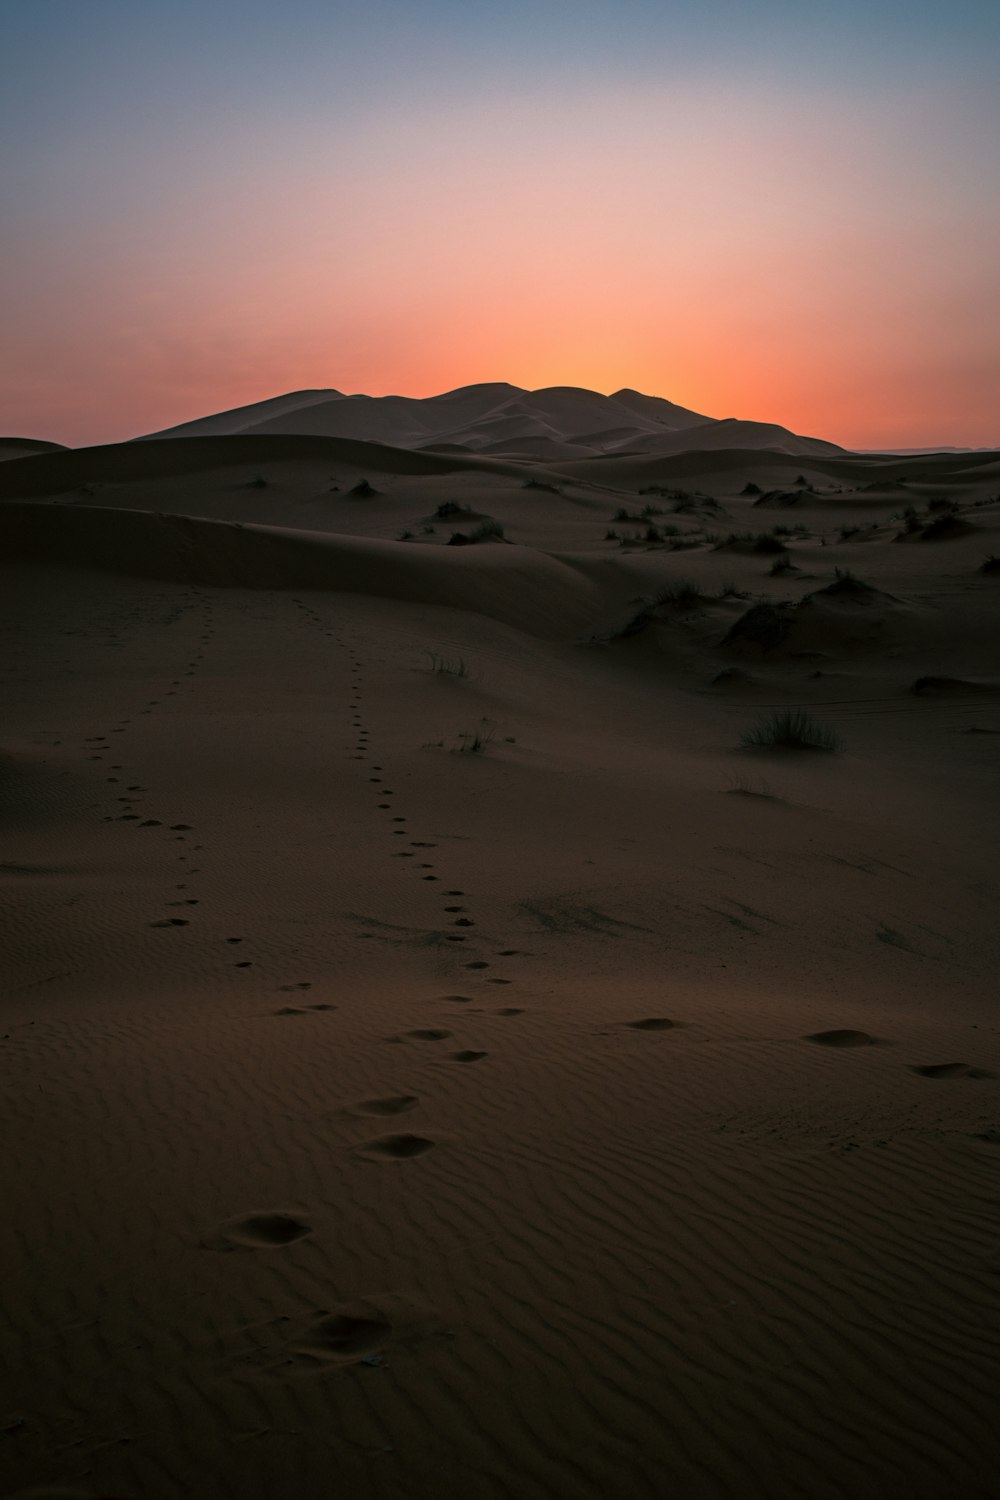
64, 471
536, 593
14, 447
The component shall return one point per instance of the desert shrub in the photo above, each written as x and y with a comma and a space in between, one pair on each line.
845, 582
846, 532
363, 490
790, 729
474, 741
681, 595
944, 527
648, 511
457, 539
405, 536
447, 666
751, 541
782, 564
751, 489
990, 564
611, 536
541, 484
450, 509
651, 534
766, 543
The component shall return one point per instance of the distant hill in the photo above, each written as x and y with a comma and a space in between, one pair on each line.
503, 421
18, 447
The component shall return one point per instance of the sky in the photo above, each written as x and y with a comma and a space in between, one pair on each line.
781, 210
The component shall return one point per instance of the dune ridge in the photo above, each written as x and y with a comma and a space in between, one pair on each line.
555, 422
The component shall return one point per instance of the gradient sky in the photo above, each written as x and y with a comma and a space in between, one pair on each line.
786, 210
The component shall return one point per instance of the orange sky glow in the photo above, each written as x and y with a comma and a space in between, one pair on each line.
811, 254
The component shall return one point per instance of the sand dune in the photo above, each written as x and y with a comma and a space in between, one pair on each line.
504, 419
444, 1052
13, 447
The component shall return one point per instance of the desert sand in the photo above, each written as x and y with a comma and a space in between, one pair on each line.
440, 1058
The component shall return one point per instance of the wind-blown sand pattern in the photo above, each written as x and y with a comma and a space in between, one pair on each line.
438, 1060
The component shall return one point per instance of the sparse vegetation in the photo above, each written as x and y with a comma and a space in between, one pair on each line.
486, 531
447, 666
845, 582
681, 595
475, 741
782, 564
750, 541
944, 527
790, 729
451, 509
363, 490
541, 484
751, 489
405, 536
990, 564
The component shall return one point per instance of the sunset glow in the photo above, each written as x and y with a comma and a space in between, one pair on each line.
767, 219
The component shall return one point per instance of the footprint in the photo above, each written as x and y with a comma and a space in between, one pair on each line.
458, 999
347, 1337
477, 963
950, 1070
257, 1231
303, 984
468, 1056
397, 1147
392, 1104
429, 1034
171, 922
511, 1010
841, 1039
652, 1023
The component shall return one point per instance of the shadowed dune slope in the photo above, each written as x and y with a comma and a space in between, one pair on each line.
56, 473
519, 586
17, 447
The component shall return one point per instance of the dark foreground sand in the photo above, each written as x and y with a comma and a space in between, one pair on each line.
610, 1113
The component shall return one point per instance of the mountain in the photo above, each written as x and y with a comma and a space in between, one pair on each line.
501, 420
